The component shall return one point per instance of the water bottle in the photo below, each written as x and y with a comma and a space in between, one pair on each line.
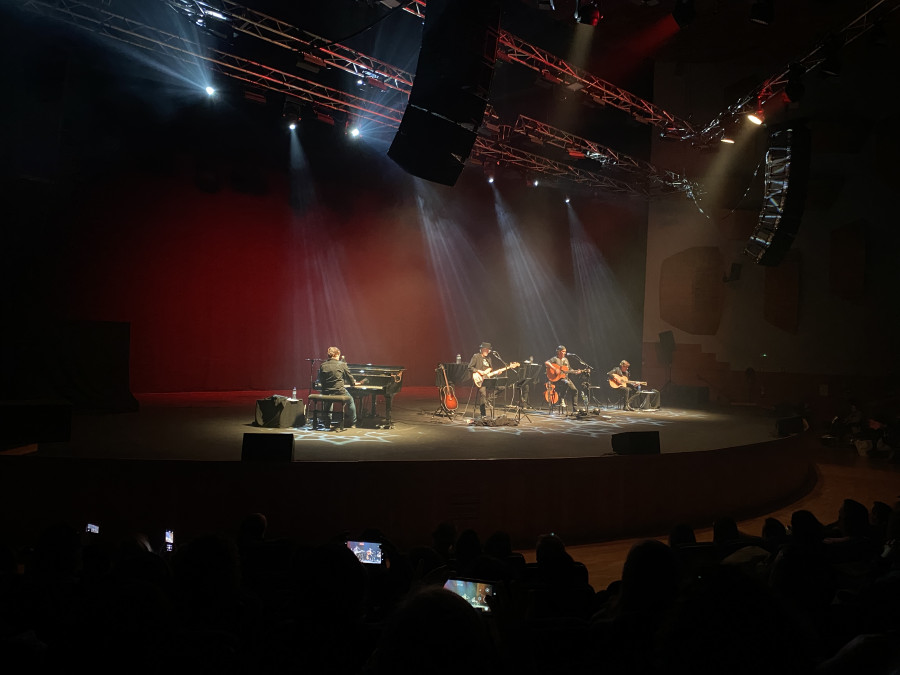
459, 358
294, 393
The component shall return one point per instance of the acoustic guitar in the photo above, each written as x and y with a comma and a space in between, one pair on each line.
479, 376
448, 396
556, 372
619, 381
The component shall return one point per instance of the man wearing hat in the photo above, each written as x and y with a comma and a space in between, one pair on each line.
481, 363
558, 373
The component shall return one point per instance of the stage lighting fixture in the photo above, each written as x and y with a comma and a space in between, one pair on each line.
684, 12
210, 91
546, 5
290, 113
726, 139
762, 11
535, 182
588, 12
568, 200
757, 118
354, 132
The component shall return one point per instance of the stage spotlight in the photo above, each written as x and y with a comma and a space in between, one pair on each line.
726, 139
757, 118
684, 12
568, 200
762, 11
535, 182
546, 5
354, 132
588, 12
290, 113
490, 180
210, 91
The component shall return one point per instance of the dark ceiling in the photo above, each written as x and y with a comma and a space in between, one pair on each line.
623, 49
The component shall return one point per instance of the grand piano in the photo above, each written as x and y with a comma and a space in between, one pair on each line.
386, 381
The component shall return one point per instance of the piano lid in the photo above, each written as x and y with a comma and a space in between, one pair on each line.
374, 369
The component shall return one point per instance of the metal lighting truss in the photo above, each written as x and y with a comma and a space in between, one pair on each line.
96, 17
656, 181
515, 50
755, 99
494, 152
778, 172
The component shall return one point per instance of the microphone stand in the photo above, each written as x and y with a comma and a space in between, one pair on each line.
505, 364
585, 366
312, 364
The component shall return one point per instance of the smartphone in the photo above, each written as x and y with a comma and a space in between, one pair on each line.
170, 540
475, 592
368, 552
92, 529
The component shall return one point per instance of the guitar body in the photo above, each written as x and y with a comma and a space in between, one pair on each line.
479, 376
619, 381
448, 398
556, 372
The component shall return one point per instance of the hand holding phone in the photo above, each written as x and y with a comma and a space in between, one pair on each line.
170, 541
368, 552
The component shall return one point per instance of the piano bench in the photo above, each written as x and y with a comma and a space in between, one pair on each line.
320, 403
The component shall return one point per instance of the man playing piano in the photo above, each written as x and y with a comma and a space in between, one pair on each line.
334, 376
481, 363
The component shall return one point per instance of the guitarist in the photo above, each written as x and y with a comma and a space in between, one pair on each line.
481, 363
558, 373
620, 378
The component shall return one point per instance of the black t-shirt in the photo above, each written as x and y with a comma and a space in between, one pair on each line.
334, 375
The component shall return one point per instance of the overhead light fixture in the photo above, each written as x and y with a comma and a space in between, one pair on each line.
290, 113
684, 12
757, 118
762, 11
210, 91
588, 12
726, 139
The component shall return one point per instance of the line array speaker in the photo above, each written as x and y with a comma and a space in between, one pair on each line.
450, 91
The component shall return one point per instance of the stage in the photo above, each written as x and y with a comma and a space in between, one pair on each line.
177, 464
211, 427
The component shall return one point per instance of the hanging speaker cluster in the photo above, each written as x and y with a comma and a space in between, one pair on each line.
450, 91
786, 180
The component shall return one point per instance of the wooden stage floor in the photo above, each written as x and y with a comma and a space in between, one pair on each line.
211, 426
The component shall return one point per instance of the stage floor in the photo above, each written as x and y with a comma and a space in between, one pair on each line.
210, 427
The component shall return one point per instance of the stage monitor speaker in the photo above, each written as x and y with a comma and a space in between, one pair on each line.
788, 426
267, 448
636, 443
450, 90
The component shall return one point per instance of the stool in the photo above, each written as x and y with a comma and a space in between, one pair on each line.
320, 403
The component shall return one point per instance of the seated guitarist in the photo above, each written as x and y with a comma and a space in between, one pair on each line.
558, 374
619, 378
481, 363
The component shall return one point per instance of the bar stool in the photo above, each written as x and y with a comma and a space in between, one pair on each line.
320, 403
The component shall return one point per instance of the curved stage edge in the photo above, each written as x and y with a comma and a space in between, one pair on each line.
584, 499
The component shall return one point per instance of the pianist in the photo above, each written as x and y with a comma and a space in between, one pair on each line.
334, 376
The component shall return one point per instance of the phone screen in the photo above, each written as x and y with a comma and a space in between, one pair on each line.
367, 552
92, 529
170, 540
475, 592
